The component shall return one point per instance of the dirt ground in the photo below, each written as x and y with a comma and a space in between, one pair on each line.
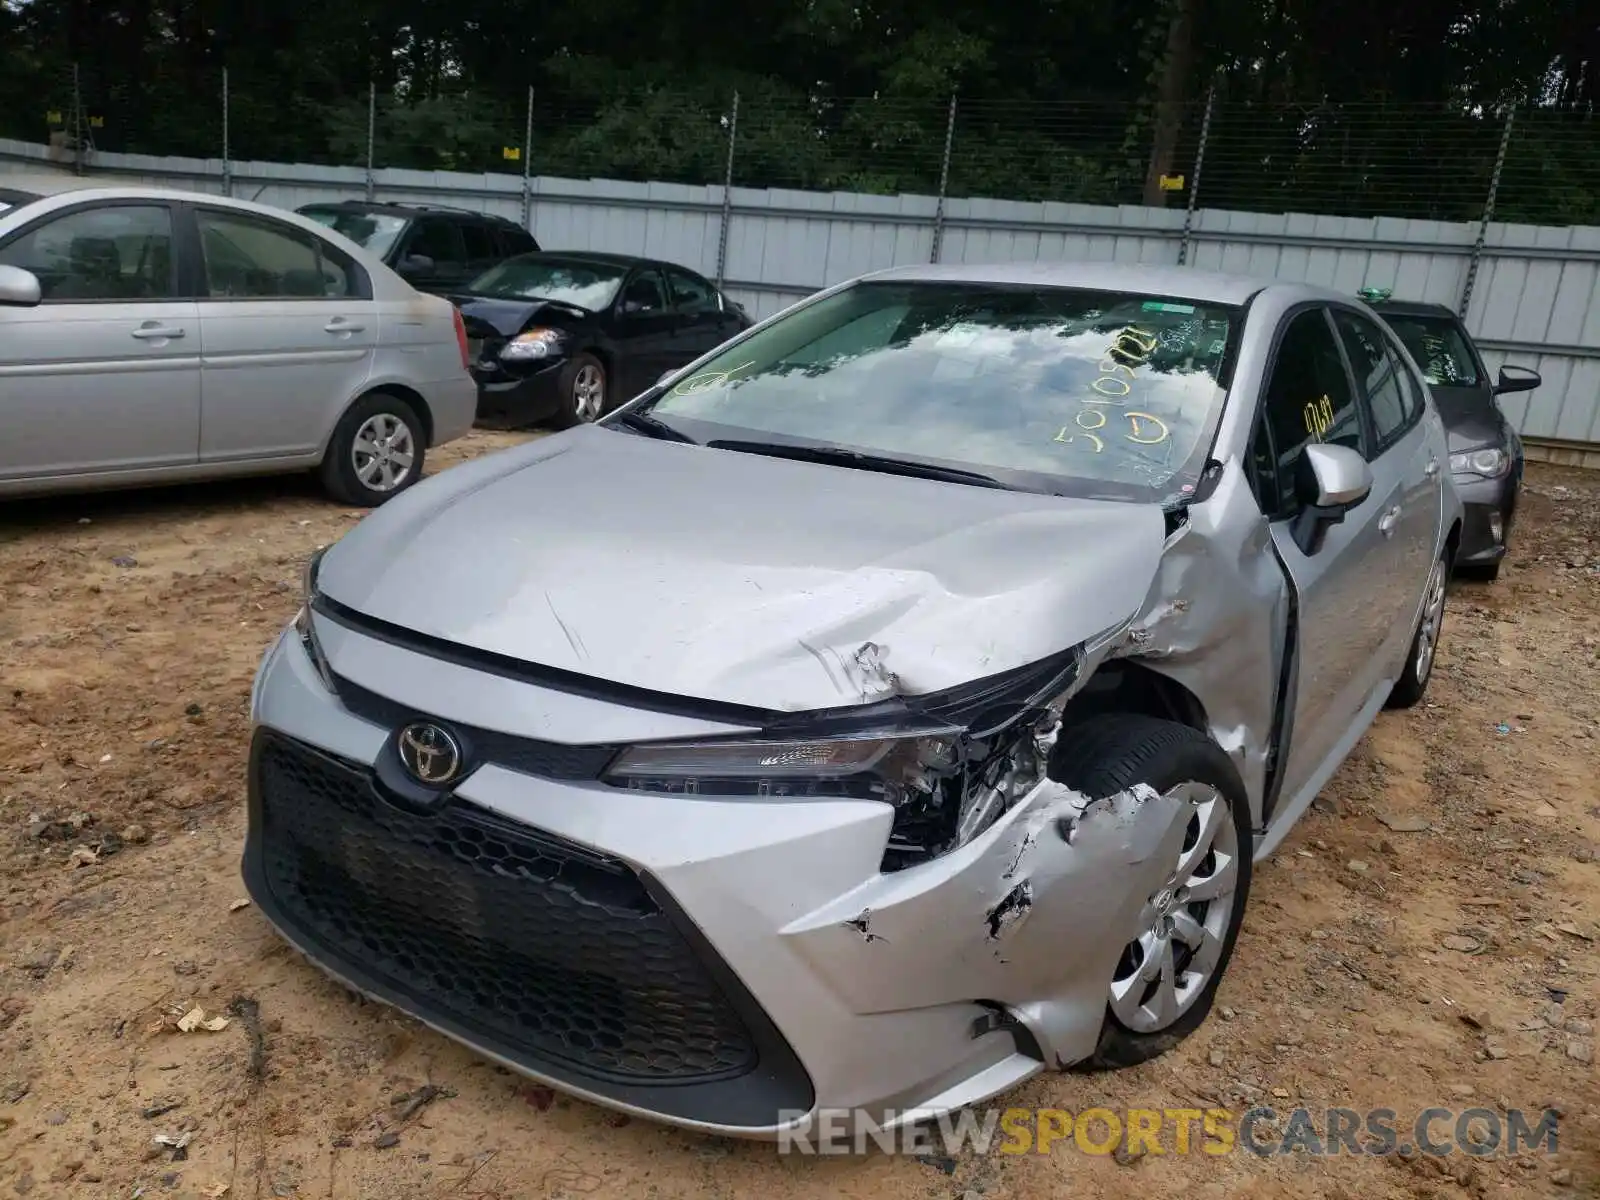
1383, 964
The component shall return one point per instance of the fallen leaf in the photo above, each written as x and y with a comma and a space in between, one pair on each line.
1464, 945
238, 904
196, 1018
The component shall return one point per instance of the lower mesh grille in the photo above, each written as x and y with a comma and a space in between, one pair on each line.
559, 955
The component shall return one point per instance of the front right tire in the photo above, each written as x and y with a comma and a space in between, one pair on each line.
1167, 976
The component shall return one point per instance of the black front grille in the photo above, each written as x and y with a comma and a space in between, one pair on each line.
562, 958
548, 760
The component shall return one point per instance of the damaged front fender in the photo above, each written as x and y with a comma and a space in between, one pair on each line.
1032, 914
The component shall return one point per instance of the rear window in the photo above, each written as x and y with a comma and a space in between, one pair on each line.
1439, 348
373, 231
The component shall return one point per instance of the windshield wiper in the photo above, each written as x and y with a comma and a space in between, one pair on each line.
837, 456
650, 427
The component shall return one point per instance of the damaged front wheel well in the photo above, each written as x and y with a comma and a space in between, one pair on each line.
1127, 685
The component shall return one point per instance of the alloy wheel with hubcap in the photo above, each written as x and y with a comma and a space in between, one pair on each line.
1418, 669
589, 392
1432, 619
383, 452
1183, 926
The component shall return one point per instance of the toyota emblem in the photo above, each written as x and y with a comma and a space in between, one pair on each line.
429, 754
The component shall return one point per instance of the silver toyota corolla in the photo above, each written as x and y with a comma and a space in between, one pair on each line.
153, 336
883, 709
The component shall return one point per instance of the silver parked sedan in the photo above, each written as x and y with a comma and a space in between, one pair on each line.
151, 336
895, 710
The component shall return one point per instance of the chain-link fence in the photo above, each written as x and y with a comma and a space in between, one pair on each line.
1435, 162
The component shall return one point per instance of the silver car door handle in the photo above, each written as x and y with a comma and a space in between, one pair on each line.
1386, 523
146, 333
340, 325
1432, 468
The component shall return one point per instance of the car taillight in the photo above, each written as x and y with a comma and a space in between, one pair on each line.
461, 337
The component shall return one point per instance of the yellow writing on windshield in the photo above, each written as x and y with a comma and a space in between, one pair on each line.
707, 380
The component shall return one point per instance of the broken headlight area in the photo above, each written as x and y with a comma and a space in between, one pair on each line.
949, 764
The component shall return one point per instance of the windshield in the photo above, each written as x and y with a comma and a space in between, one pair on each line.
372, 231
590, 285
1111, 395
1440, 350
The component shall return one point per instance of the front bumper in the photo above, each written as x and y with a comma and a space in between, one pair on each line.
516, 398
1488, 509
730, 965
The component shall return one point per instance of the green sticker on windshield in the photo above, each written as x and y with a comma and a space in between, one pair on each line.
1163, 306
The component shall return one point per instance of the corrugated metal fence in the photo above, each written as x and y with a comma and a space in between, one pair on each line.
1534, 290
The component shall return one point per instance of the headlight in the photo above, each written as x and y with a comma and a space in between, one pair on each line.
884, 768
1490, 462
302, 620
950, 764
536, 343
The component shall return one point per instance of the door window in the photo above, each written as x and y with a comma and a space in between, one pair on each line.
644, 294
1378, 373
1308, 399
115, 252
248, 258
479, 241
691, 294
440, 241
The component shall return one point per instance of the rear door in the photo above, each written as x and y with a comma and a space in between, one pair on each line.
287, 329
105, 373
1402, 453
1310, 398
439, 240
705, 324
482, 248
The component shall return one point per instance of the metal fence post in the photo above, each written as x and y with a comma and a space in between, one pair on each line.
527, 166
1194, 182
727, 194
77, 123
372, 133
944, 180
227, 162
1488, 215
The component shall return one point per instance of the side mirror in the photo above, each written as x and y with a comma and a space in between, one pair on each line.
415, 265
19, 288
1330, 481
1517, 379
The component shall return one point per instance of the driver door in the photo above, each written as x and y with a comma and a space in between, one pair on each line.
1310, 398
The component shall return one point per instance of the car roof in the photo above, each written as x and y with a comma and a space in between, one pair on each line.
35, 186
606, 257
1413, 308
396, 207
1188, 283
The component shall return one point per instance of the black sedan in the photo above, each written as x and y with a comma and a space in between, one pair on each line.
1485, 452
568, 336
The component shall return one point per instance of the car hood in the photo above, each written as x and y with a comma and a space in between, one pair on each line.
488, 317
739, 578
1471, 417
